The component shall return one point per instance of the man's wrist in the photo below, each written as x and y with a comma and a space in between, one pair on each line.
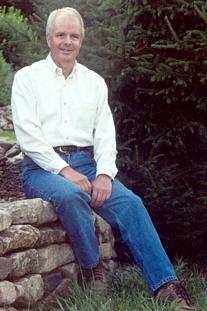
105, 176
64, 170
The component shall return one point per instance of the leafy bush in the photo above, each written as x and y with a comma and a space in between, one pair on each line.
17, 41
26, 7
18, 47
6, 77
153, 55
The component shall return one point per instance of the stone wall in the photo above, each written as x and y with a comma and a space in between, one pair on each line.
6, 118
36, 260
10, 150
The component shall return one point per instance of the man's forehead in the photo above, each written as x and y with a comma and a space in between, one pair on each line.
66, 17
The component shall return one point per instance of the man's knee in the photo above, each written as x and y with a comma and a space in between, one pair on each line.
69, 198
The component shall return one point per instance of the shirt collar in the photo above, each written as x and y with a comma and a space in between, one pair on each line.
57, 70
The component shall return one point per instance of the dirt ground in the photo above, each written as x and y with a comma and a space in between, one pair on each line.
10, 183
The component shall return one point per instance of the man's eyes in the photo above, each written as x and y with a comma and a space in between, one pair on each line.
60, 35
73, 36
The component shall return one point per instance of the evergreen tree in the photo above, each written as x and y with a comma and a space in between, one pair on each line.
26, 7
15, 35
153, 55
6, 77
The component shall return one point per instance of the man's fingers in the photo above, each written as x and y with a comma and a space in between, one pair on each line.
98, 198
77, 178
93, 198
101, 190
86, 186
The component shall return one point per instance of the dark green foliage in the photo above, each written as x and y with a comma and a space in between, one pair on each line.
26, 7
6, 77
17, 48
153, 55
17, 40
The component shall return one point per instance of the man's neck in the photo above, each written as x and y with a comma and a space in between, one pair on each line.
67, 67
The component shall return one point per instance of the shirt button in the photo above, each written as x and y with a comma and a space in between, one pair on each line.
65, 121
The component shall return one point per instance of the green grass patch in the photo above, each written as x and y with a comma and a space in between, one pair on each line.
128, 292
10, 135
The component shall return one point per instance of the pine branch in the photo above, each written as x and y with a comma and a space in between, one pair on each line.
163, 46
171, 29
200, 13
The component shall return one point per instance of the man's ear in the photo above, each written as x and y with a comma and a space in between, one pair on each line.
48, 41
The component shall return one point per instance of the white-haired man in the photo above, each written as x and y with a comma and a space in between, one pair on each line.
65, 128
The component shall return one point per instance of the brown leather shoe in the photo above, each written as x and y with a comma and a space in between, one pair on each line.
174, 291
94, 279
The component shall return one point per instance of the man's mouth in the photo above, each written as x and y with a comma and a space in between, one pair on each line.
66, 50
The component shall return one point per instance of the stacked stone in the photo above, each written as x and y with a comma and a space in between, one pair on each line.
36, 260
9, 149
6, 118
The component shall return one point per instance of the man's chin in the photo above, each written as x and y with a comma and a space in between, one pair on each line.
67, 58
66, 52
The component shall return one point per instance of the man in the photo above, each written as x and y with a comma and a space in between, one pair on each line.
65, 129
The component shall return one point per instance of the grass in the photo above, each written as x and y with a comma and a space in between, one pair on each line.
7, 135
128, 292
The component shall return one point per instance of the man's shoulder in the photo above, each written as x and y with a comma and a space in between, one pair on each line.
36, 66
89, 72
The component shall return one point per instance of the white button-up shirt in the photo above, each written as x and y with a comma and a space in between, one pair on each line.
49, 110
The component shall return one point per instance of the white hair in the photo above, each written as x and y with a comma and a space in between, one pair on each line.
66, 10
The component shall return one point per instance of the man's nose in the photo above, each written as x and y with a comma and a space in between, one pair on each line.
68, 39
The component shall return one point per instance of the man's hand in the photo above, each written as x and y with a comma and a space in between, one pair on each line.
77, 178
101, 190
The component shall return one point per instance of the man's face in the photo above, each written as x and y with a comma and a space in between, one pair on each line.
65, 39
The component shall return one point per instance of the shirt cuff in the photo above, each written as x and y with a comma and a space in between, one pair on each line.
107, 170
55, 165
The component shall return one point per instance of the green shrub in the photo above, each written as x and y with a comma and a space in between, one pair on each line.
6, 77
26, 7
153, 55
17, 41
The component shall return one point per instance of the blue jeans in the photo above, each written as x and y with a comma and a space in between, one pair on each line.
123, 210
